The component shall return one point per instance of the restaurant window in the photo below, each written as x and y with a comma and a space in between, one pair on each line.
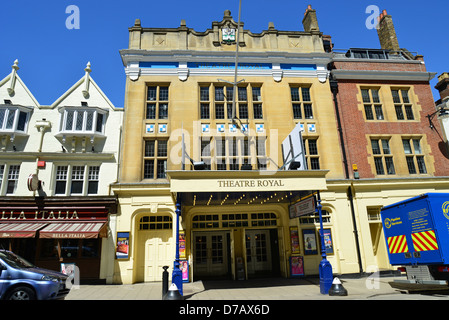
69, 248
61, 179
2, 172
89, 248
14, 119
157, 102
75, 177
301, 103
13, 178
81, 120
77, 180
93, 179
48, 248
155, 159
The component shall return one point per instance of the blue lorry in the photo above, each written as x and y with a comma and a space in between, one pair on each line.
417, 237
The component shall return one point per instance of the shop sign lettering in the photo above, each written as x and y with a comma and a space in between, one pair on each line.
66, 236
250, 183
39, 215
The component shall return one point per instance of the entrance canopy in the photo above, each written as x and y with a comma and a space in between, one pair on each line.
54, 230
74, 230
20, 230
244, 187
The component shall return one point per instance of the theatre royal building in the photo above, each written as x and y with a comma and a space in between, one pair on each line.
202, 168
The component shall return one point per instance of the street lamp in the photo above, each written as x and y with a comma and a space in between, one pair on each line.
442, 111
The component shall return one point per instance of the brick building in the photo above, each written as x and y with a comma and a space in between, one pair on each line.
390, 150
56, 165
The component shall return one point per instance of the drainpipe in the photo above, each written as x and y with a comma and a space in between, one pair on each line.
334, 88
356, 234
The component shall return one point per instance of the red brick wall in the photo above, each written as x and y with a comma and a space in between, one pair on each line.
355, 128
380, 65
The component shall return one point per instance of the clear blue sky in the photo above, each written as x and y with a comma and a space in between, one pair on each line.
52, 58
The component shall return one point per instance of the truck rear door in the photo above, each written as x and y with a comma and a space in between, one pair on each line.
422, 232
410, 234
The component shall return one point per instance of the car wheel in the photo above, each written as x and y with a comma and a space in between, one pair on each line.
21, 293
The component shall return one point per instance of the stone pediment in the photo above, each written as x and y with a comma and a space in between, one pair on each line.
227, 29
227, 22
222, 36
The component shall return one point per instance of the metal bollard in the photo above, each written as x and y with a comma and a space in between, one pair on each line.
164, 281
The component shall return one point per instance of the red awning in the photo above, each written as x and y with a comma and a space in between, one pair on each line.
74, 230
20, 230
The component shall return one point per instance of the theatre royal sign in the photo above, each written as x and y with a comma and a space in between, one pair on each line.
195, 181
246, 183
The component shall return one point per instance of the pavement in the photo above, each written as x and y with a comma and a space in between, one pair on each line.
360, 288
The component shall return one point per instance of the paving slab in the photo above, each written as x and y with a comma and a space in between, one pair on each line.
361, 288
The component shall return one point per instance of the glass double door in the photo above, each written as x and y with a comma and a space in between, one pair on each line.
212, 251
210, 254
258, 252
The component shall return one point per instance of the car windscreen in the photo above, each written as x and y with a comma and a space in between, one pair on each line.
14, 260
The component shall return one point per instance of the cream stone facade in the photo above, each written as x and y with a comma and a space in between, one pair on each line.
184, 152
196, 70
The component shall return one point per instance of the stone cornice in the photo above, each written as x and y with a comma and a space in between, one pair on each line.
137, 55
411, 76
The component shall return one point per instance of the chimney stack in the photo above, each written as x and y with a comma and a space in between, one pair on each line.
310, 22
387, 34
443, 85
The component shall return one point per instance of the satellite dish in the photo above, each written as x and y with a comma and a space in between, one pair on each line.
33, 182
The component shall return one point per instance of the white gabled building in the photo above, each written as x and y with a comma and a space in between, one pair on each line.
57, 163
